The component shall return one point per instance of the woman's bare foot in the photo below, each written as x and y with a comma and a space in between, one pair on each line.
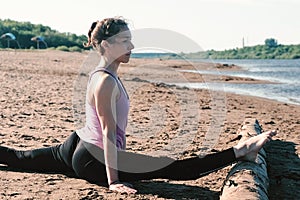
248, 150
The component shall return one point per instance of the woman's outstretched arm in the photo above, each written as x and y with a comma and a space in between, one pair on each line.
106, 95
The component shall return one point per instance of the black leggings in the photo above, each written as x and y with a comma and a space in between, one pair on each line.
87, 161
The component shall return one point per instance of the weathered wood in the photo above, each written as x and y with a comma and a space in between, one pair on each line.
247, 180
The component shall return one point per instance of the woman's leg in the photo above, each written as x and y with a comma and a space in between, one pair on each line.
143, 167
51, 159
88, 163
196, 167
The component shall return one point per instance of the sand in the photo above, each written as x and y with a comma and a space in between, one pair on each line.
36, 103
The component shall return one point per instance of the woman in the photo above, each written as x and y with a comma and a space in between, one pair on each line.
96, 152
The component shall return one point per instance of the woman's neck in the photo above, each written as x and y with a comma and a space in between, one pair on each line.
110, 66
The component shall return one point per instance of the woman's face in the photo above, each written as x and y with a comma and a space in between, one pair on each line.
120, 49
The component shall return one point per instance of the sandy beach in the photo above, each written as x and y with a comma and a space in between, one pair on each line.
38, 91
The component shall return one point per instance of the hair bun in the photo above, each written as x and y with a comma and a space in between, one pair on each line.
94, 24
103, 30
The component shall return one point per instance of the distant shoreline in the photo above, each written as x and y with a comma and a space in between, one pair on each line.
205, 55
253, 52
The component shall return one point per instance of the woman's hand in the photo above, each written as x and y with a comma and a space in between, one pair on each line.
122, 187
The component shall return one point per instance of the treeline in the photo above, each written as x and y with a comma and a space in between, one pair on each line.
270, 50
25, 31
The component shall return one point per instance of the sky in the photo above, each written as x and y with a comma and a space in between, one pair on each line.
211, 24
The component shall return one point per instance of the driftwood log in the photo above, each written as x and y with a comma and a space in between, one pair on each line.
247, 180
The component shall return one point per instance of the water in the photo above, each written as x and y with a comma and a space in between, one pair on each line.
284, 73
154, 55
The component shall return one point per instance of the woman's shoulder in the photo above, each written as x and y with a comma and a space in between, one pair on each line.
105, 82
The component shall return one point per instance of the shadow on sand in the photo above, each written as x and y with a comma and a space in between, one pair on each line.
175, 190
283, 170
158, 188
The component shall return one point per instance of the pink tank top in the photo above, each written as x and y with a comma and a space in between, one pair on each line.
92, 131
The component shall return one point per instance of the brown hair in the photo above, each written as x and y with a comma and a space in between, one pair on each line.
104, 30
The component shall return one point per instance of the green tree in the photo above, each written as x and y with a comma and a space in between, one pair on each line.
24, 31
271, 42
